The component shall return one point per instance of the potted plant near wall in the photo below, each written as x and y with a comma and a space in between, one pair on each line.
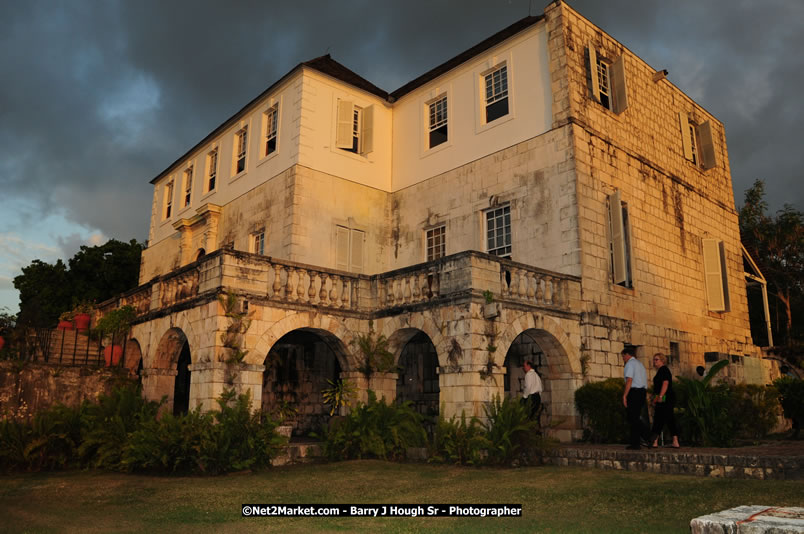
81, 314
113, 326
65, 321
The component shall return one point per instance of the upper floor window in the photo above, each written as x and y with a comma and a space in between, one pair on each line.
349, 245
355, 128
241, 141
168, 199
608, 81
258, 243
496, 84
188, 185
212, 169
271, 120
620, 241
436, 242
498, 231
697, 142
716, 275
438, 121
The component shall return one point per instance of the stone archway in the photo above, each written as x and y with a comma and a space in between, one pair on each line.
418, 374
164, 379
298, 367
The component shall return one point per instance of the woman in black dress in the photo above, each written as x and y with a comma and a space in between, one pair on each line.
663, 400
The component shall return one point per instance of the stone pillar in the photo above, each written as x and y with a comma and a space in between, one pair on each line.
562, 411
359, 381
247, 378
183, 226
211, 214
465, 391
207, 382
384, 385
158, 383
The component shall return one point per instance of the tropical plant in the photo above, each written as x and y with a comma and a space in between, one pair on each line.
456, 441
509, 430
755, 409
341, 393
117, 320
791, 395
375, 353
600, 406
374, 430
704, 409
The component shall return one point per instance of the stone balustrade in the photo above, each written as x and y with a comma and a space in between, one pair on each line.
290, 283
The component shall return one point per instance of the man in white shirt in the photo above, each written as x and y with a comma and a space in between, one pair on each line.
532, 394
636, 384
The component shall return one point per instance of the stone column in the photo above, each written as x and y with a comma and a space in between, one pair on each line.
384, 385
247, 379
158, 383
359, 381
211, 214
463, 390
207, 382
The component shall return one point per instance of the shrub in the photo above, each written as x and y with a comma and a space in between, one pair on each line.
791, 394
755, 410
457, 442
600, 405
374, 430
705, 412
509, 430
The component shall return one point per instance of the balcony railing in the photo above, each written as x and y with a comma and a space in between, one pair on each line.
293, 284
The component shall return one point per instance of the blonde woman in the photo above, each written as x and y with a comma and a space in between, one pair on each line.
664, 399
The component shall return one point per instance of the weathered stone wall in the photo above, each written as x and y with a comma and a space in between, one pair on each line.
33, 387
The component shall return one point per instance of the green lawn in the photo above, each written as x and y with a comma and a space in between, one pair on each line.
554, 499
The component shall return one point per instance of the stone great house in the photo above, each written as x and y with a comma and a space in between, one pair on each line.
544, 195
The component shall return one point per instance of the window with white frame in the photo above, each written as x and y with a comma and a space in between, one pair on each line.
271, 120
188, 185
241, 147
349, 247
168, 199
437, 119
608, 81
496, 93
619, 241
498, 231
212, 169
258, 242
355, 128
716, 275
436, 242
697, 142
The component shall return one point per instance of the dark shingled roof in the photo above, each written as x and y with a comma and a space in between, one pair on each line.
326, 65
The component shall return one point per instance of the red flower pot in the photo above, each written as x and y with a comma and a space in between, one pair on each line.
112, 355
65, 325
82, 321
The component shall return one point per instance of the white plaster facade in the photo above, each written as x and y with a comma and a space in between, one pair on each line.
558, 160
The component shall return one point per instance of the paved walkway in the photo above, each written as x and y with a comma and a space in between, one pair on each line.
769, 460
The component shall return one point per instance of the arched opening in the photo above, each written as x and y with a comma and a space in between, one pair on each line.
418, 375
298, 367
526, 347
200, 254
181, 387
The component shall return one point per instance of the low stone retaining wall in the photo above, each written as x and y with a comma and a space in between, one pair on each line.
725, 463
28, 388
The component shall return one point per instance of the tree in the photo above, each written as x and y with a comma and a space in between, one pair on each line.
95, 274
777, 245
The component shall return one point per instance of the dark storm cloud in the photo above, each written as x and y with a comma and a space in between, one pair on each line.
99, 97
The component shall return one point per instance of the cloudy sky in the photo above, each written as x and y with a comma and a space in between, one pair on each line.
98, 96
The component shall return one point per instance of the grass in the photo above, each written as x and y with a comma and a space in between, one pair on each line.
554, 499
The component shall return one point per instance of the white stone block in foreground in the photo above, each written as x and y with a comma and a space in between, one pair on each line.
751, 520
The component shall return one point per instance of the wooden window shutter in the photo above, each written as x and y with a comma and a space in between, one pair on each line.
713, 273
356, 252
367, 130
342, 248
707, 145
617, 238
618, 89
593, 72
685, 134
343, 133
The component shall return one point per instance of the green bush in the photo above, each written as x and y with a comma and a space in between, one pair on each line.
600, 405
509, 430
455, 441
49, 441
755, 409
374, 430
791, 395
705, 412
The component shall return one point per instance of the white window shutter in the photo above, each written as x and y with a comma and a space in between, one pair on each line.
724, 277
342, 248
617, 72
356, 253
707, 145
593, 71
713, 273
343, 134
617, 238
685, 134
367, 130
